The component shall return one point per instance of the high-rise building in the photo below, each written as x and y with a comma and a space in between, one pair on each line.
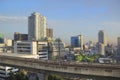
102, 42
118, 41
118, 49
20, 37
1, 38
49, 33
102, 37
36, 27
77, 41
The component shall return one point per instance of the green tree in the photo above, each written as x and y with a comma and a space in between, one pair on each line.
12, 76
50, 77
21, 75
79, 57
54, 77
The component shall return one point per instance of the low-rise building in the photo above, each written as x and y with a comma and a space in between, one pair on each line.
25, 47
42, 50
32, 47
5, 70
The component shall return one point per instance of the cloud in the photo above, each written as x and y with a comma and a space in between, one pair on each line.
13, 19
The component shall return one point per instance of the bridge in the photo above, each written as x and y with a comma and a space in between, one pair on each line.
91, 69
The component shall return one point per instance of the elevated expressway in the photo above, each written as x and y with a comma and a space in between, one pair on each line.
73, 68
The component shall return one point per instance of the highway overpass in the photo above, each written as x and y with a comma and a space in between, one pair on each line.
91, 69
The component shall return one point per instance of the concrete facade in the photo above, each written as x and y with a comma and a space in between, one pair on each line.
94, 69
36, 27
5, 70
25, 47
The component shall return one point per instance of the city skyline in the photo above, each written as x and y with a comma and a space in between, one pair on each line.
67, 18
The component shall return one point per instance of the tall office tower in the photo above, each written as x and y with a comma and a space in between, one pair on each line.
102, 37
49, 33
118, 49
101, 42
118, 40
20, 37
1, 38
77, 41
36, 27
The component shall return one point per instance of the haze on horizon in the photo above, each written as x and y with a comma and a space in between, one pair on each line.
66, 17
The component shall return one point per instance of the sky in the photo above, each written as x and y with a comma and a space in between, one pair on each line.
66, 17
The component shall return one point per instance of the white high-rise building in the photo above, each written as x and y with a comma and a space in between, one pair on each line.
36, 27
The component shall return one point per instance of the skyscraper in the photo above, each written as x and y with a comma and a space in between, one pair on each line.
118, 49
101, 42
118, 40
36, 27
49, 33
102, 37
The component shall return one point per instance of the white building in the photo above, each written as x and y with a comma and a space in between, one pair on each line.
5, 70
42, 50
32, 47
2, 45
36, 27
25, 47
101, 49
8, 42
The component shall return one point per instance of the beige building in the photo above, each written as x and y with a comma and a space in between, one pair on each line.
101, 48
36, 27
49, 33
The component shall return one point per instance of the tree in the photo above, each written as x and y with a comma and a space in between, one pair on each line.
54, 77
79, 57
58, 40
12, 76
20, 75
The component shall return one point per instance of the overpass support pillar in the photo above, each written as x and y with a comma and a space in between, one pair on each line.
37, 76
